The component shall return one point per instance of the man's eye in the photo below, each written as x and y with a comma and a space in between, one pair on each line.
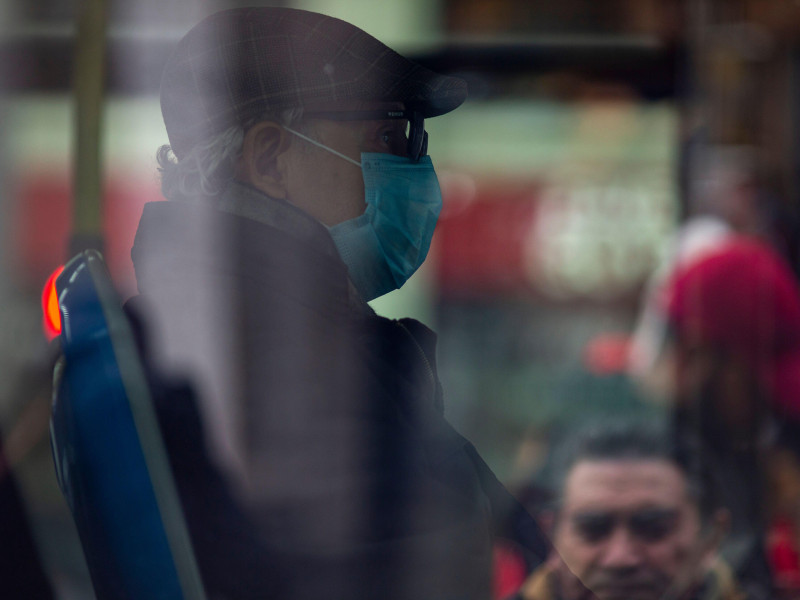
653, 525
594, 528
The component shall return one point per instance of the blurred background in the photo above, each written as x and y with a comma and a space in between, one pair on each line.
594, 131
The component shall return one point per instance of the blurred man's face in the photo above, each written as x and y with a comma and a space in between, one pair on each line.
627, 530
325, 185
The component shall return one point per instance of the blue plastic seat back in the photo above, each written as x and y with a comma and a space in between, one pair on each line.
109, 456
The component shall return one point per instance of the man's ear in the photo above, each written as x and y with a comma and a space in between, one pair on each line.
715, 531
703, 556
260, 164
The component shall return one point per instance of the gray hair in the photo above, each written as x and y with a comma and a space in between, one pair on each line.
209, 166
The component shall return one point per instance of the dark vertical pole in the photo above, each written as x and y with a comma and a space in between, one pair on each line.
89, 87
695, 103
792, 186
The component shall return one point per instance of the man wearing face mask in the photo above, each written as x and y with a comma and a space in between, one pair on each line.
309, 445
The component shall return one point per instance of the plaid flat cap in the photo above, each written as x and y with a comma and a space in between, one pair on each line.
238, 64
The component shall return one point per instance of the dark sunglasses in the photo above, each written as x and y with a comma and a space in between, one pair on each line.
650, 525
417, 145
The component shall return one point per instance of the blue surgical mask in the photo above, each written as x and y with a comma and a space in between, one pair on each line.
383, 247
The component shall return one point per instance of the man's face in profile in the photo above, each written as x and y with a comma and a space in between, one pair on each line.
627, 529
325, 185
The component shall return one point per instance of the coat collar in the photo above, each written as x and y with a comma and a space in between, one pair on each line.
245, 201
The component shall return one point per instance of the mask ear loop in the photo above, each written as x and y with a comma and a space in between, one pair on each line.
323, 146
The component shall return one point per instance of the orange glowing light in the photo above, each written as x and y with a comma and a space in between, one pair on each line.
52, 316
607, 354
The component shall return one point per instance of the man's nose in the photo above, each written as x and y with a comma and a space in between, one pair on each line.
622, 550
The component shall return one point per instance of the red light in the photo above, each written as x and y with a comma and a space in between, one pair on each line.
52, 316
607, 354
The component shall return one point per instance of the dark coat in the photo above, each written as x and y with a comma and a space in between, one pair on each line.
347, 482
719, 584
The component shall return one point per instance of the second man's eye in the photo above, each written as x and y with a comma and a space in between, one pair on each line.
654, 525
594, 527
